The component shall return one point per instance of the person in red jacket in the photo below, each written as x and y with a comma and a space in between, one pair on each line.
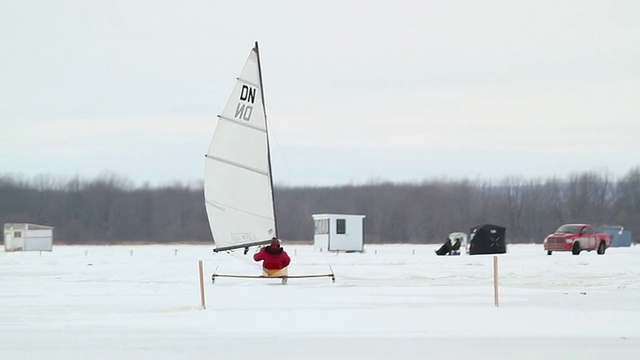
274, 259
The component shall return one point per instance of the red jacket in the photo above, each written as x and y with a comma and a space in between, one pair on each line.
274, 258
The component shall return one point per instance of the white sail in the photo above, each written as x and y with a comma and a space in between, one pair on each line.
237, 186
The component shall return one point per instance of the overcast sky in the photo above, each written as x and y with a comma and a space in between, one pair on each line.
355, 91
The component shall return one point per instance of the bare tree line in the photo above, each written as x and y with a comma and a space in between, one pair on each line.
109, 210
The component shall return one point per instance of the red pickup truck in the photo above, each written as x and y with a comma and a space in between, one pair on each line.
575, 238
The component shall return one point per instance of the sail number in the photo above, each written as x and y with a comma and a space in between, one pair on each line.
244, 109
243, 237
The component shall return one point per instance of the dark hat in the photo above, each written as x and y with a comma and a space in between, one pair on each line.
275, 242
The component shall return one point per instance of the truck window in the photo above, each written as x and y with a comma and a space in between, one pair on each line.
587, 231
567, 229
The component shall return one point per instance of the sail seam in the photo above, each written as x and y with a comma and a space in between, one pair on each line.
222, 206
232, 163
248, 82
246, 124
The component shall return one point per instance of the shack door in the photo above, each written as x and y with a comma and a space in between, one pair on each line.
347, 235
8, 240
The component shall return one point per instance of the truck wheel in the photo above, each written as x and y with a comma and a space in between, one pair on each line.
576, 248
549, 252
601, 248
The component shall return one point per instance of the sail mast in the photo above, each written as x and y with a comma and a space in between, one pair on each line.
273, 198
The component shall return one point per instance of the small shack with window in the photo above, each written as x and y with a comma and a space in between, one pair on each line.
338, 232
28, 237
619, 236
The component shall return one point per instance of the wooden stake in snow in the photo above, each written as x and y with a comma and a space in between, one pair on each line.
201, 273
496, 300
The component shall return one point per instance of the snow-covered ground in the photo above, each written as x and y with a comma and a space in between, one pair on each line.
393, 301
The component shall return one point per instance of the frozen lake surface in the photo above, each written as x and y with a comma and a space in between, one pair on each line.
403, 301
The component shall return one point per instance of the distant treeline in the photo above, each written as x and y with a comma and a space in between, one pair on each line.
109, 210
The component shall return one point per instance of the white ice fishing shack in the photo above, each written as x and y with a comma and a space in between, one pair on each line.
28, 237
338, 232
